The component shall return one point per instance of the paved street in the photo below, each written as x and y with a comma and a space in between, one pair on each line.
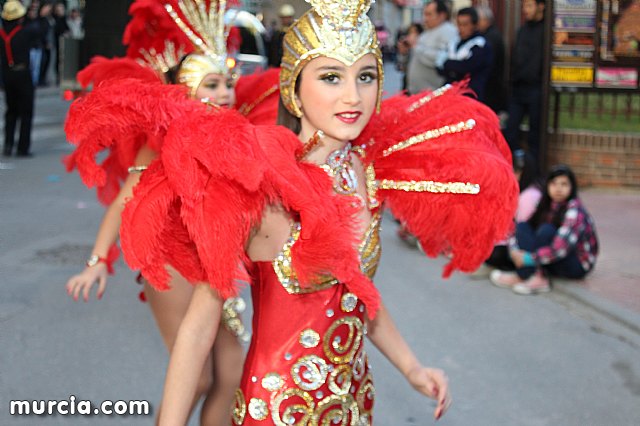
570, 357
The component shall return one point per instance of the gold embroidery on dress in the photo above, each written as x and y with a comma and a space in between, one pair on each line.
239, 408
372, 188
340, 379
367, 392
336, 410
231, 310
369, 250
272, 382
360, 365
258, 409
335, 349
309, 338
310, 372
304, 408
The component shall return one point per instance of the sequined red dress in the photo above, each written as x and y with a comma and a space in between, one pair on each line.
437, 161
307, 363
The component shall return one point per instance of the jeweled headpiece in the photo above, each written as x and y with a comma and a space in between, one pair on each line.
335, 29
204, 26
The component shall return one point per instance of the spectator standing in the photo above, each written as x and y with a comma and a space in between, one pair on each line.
75, 24
60, 29
286, 14
47, 29
403, 49
559, 239
495, 89
471, 57
438, 34
35, 54
17, 40
526, 78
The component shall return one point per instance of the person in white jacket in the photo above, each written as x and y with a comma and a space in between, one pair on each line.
438, 35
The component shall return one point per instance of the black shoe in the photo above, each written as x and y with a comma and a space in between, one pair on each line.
24, 155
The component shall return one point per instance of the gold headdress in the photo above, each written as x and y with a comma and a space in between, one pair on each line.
336, 29
204, 26
162, 62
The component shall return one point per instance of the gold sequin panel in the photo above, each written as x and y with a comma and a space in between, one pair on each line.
329, 385
369, 250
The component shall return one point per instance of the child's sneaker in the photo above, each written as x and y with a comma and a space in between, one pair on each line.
504, 279
537, 283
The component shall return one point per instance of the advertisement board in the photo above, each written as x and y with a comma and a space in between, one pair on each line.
595, 44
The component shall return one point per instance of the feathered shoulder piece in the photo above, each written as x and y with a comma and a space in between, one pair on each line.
257, 96
196, 206
119, 117
440, 163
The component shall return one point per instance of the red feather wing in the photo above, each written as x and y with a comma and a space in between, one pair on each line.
419, 146
120, 117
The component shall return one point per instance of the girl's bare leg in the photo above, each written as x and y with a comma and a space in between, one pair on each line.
169, 308
228, 358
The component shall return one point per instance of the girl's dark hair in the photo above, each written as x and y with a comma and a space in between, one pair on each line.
172, 74
285, 118
541, 214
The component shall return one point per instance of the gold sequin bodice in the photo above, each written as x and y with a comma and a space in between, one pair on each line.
369, 251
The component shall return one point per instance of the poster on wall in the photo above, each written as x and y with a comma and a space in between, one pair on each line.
573, 51
574, 76
623, 78
584, 6
620, 32
573, 47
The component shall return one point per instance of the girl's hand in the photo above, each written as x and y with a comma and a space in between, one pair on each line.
434, 384
83, 282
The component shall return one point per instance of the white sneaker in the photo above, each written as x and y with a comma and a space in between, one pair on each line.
504, 279
536, 283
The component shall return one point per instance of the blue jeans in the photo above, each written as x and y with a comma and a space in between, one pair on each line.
531, 240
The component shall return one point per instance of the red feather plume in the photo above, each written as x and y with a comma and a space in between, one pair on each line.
464, 226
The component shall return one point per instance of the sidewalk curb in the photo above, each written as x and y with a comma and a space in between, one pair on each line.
623, 316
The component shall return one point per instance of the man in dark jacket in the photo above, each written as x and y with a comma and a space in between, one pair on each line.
526, 78
496, 88
16, 76
470, 57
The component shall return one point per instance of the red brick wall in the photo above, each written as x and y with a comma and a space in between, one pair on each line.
598, 159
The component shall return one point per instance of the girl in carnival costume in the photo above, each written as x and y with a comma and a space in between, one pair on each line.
302, 209
183, 43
